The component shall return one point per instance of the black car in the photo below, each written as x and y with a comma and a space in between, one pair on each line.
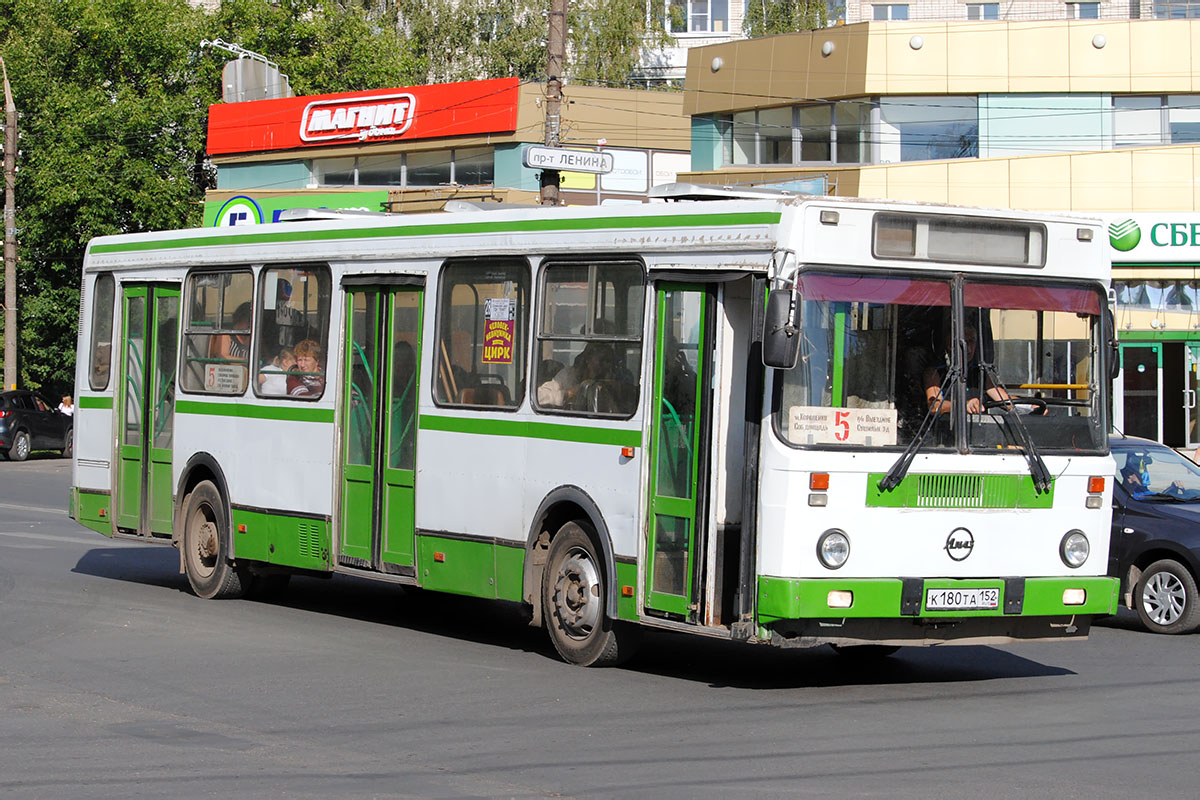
28, 422
1155, 545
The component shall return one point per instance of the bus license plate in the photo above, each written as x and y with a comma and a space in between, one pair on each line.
978, 599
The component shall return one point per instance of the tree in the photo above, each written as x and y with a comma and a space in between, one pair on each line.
114, 97
608, 38
771, 17
458, 40
322, 45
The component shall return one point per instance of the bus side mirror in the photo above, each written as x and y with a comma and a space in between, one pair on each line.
781, 334
1114, 349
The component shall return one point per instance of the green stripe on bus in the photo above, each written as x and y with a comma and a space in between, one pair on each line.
532, 430
289, 413
454, 228
86, 401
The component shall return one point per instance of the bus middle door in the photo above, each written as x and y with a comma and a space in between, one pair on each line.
681, 409
379, 428
146, 403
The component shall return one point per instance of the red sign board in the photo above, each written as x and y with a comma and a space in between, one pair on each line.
417, 112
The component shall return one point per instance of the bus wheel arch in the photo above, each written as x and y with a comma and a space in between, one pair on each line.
199, 468
564, 505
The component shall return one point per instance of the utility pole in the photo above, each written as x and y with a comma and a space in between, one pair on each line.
10, 235
556, 46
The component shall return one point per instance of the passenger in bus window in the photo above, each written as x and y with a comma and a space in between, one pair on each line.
934, 376
273, 378
307, 378
595, 363
233, 347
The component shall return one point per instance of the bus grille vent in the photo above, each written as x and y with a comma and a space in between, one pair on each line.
952, 491
309, 539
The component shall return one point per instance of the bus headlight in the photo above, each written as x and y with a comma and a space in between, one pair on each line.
1074, 549
833, 548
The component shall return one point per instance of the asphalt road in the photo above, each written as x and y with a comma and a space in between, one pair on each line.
116, 682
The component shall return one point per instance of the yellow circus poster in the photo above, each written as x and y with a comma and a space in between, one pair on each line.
499, 328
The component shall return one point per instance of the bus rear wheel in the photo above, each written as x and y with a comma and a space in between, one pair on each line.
204, 536
573, 599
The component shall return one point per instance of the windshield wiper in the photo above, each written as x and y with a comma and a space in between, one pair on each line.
900, 468
1042, 479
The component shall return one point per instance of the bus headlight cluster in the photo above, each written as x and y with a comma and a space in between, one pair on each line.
833, 548
1074, 549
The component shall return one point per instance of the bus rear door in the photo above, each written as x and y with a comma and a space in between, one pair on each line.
379, 428
146, 403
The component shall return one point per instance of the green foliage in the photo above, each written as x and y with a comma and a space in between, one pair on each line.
607, 39
322, 45
457, 40
114, 97
771, 17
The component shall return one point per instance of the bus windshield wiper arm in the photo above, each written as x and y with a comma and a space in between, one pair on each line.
900, 468
1037, 467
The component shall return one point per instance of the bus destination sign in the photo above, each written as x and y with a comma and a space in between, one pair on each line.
558, 158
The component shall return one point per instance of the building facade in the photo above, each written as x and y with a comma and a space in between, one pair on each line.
1100, 117
415, 148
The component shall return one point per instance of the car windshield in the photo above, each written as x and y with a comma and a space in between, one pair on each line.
1156, 472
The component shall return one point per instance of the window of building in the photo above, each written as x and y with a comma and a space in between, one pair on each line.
983, 11
590, 338
1083, 11
102, 327
924, 128
1147, 120
893, 11
463, 166
483, 307
1177, 10
217, 332
293, 328
798, 134
1158, 295
697, 16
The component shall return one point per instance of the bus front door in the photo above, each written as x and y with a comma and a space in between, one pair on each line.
379, 429
146, 407
680, 407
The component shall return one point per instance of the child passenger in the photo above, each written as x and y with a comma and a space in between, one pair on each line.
272, 379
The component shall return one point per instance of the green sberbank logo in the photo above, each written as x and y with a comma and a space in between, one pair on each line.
1124, 235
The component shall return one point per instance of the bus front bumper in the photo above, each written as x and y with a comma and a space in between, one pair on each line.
809, 612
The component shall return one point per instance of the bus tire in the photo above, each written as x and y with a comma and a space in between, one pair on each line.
204, 536
1165, 598
573, 596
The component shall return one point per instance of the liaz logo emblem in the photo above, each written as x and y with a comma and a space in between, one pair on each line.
959, 544
1124, 235
379, 116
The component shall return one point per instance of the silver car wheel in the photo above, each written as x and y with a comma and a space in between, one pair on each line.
1164, 598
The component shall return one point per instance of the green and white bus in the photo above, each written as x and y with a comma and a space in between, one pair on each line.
570, 409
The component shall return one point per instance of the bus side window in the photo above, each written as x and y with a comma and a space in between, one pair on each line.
293, 325
102, 328
217, 332
589, 339
480, 351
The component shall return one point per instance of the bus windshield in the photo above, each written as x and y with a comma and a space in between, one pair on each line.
877, 356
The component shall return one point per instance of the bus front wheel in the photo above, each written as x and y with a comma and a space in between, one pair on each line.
573, 598
204, 536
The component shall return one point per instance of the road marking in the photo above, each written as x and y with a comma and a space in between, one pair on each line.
48, 537
43, 509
